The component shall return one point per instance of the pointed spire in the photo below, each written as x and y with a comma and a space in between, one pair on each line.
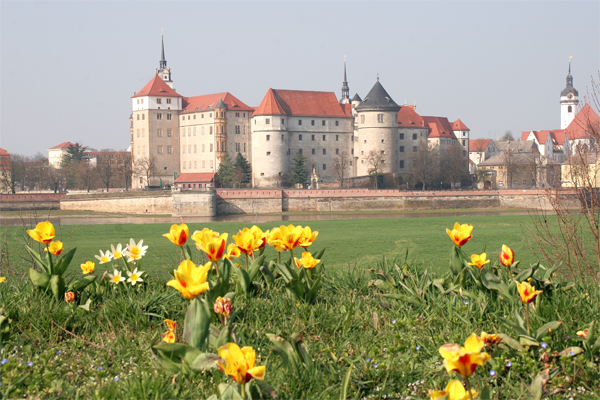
163, 62
345, 88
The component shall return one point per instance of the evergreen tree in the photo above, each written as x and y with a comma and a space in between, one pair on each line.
300, 171
243, 169
75, 152
225, 172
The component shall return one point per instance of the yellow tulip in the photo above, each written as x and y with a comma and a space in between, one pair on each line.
55, 248
214, 247
582, 334
69, 297
201, 236
479, 260
307, 237
169, 337
260, 236
239, 363
190, 280
527, 293
232, 251
43, 232
507, 256
454, 390
464, 360
490, 339
2, 279
247, 241
178, 234
290, 235
307, 261
88, 267
276, 240
171, 324
460, 234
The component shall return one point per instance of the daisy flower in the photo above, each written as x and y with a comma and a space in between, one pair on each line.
134, 277
135, 251
116, 277
104, 257
118, 252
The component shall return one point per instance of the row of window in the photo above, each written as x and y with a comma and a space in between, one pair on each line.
210, 116
312, 122
380, 119
159, 132
189, 164
159, 149
159, 100
169, 116
313, 138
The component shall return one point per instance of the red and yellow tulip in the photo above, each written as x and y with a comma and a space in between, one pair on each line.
232, 251
178, 234
214, 247
169, 336
307, 237
190, 280
247, 241
43, 232
88, 267
460, 234
454, 390
55, 248
69, 297
479, 260
290, 236
276, 240
527, 293
507, 256
464, 360
583, 333
222, 306
307, 261
239, 363
490, 339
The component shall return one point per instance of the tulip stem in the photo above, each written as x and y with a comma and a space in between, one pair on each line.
527, 314
468, 386
217, 268
246, 261
182, 252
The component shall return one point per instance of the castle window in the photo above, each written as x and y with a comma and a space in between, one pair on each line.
313, 151
184, 165
158, 101
142, 101
202, 130
210, 130
209, 115
262, 174
194, 129
323, 123
168, 101
237, 115
159, 132
188, 118
195, 148
282, 121
169, 132
414, 136
138, 117
217, 146
324, 151
324, 167
143, 132
289, 152
312, 122
203, 147
169, 149
183, 117
237, 129
464, 142
282, 138
211, 164
300, 151
352, 152
143, 117
337, 123
382, 151
268, 138
337, 151
183, 149
203, 163
222, 114
244, 115
268, 153
401, 163
570, 109
138, 101
210, 148
237, 147
380, 118
244, 147
382, 140
337, 138
267, 121
195, 165
299, 122
170, 117
401, 149
244, 129
402, 136
323, 137
159, 149
202, 116
159, 116
362, 119
313, 137
299, 137
138, 133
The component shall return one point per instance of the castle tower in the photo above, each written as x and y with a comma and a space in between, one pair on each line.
568, 102
377, 132
162, 70
461, 131
345, 89
221, 131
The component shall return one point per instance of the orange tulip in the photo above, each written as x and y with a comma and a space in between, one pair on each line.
507, 256
178, 234
460, 234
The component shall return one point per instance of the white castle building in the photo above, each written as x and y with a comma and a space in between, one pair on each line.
172, 134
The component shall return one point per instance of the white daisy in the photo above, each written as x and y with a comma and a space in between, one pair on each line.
118, 252
134, 277
104, 257
135, 251
116, 277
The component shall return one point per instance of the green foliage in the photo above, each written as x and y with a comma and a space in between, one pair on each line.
243, 169
299, 173
226, 171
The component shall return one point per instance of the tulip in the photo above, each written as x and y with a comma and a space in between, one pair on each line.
88, 267
239, 363
464, 360
55, 248
2, 279
460, 234
260, 236
116, 252
454, 390
247, 241
104, 257
276, 240
214, 247
490, 339
222, 306
232, 251
307, 261
479, 260
43, 232
69, 297
178, 234
507, 256
527, 292
307, 237
190, 280
290, 236
169, 337
116, 277
583, 333
201, 236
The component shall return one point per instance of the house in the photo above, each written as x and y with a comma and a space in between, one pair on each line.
195, 180
56, 154
482, 149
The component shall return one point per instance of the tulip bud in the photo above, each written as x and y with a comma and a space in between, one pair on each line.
69, 297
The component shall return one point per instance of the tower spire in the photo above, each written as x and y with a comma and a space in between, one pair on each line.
345, 88
163, 62
162, 70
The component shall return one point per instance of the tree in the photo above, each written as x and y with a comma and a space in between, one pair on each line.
125, 169
225, 172
299, 173
56, 179
341, 163
508, 136
146, 167
75, 152
510, 167
14, 175
425, 164
376, 160
243, 169
105, 171
454, 165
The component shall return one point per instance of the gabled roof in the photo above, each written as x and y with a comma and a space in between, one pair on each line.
407, 117
378, 99
211, 101
156, 87
479, 144
195, 177
458, 125
356, 97
302, 103
557, 136
64, 145
584, 124
3, 152
516, 146
439, 127
516, 158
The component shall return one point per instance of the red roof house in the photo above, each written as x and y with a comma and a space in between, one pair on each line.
302, 103
156, 87
195, 180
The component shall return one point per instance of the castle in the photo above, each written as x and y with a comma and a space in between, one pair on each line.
173, 135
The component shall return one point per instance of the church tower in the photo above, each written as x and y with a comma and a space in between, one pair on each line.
162, 70
568, 102
345, 89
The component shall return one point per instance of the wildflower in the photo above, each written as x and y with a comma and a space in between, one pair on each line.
2, 279
55, 248
69, 297
394, 321
527, 292
544, 345
43, 232
135, 251
214, 247
100, 368
116, 252
368, 360
134, 277
307, 237
178, 234
509, 364
116, 379
4, 361
460, 234
507, 256
239, 363
247, 241
57, 352
492, 373
454, 390
307, 261
190, 280
29, 364
88, 267
479, 260
582, 334
490, 339
222, 306
232, 251
418, 348
116, 277
464, 360
104, 257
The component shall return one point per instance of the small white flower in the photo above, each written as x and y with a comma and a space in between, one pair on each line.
116, 278
134, 277
104, 257
135, 251
118, 252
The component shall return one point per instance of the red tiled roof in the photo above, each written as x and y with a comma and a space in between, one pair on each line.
585, 120
408, 117
209, 101
3, 152
300, 102
4, 160
458, 125
439, 127
269, 105
557, 136
64, 145
156, 87
195, 177
479, 144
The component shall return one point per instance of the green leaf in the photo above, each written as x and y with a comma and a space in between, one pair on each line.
81, 283
486, 394
510, 342
187, 252
254, 268
572, 351
554, 325
244, 280
196, 325
205, 361
229, 392
537, 386
40, 279
456, 262
266, 271
262, 390
57, 285
172, 355
397, 296
45, 268
549, 272
87, 304
346, 383
63, 263
493, 282
528, 341
524, 275
311, 295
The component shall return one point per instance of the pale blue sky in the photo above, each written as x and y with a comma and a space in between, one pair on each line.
68, 69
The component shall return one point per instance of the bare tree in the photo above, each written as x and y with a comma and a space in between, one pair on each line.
376, 160
511, 168
106, 171
454, 165
125, 170
508, 136
146, 167
341, 163
56, 179
14, 175
425, 164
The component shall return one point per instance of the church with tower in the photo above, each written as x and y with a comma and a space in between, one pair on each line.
173, 136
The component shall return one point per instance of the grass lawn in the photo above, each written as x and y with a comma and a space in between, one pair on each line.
348, 242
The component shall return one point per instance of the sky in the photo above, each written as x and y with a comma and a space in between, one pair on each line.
69, 69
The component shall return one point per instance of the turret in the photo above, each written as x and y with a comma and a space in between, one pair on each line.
568, 102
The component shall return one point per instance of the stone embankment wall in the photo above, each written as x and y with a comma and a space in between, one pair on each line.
25, 202
159, 204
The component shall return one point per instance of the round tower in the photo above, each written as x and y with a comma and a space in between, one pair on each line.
568, 102
221, 131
